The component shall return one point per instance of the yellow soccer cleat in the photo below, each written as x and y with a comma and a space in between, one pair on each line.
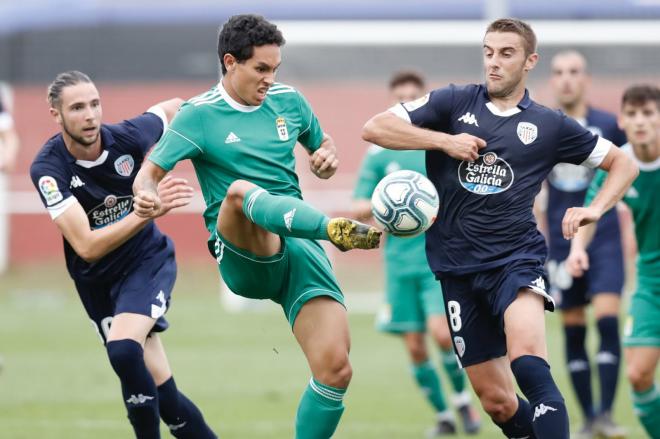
347, 234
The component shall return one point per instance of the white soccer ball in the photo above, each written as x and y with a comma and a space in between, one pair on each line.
405, 203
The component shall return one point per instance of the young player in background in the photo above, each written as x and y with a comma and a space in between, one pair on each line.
640, 118
240, 136
601, 286
122, 265
489, 148
414, 298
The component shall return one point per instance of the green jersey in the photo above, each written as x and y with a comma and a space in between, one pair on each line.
405, 255
228, 141
643, 198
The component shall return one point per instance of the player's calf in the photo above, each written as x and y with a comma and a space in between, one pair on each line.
138, 387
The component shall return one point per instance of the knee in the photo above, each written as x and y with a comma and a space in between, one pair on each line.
498, 404
443, 339
236, 193
336, 370
639, 377
124, 354
417, 352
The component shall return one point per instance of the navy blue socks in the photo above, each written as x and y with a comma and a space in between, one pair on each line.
578, 366
182, 417
608, 359
520, 424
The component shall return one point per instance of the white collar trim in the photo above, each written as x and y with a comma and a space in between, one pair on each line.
643, 166
236, 105
90, 164
497, 112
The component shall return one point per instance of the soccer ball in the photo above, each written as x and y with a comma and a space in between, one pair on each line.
405, 203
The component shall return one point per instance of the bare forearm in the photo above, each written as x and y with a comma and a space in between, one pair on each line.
389, 131
147, 178
621, 173
584, 236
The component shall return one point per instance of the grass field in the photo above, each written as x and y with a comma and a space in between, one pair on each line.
245, 371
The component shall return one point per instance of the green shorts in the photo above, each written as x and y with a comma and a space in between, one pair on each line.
411, 299
298, 273
642, 327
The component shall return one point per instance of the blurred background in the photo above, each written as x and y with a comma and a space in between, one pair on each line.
244, 368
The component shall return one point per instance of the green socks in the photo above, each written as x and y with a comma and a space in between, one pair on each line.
319, 411
428, 381
453, 370
284, 215
647, 408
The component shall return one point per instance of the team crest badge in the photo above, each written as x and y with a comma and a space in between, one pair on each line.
124, 165
527, 132
282, 132
460, 346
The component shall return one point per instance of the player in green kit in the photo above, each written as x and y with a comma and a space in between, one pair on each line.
240, 137
414, 297
640, 118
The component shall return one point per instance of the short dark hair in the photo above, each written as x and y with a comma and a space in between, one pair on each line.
640, 94
516, 26
65, 79
405, 77
241, 33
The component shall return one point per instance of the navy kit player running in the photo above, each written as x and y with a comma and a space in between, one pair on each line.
122, 265
602, 283
489, 148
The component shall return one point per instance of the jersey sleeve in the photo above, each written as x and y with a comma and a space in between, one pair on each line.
594, 187
432, 111
311, 134
369, 174
53, 188
146, 129
6, 121
577, 145
619, 137
184, 139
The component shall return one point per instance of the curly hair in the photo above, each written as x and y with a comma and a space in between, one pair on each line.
241, 33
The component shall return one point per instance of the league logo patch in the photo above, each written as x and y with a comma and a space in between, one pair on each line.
50, 191
124, 165
460, 346
419, 102
527, 132
282, 131
487, 175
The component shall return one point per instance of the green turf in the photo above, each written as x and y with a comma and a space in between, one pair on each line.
245, 371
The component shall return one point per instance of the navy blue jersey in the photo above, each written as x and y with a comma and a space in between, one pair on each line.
567, 187
485, 218
104, 190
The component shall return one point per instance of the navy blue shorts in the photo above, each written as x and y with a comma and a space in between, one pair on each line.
145, 289
605, 275
475, 305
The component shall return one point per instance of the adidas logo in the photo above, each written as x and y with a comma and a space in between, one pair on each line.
541, 410
232, 138
288, 218
469, 119
632, 193
140, 399
76, 182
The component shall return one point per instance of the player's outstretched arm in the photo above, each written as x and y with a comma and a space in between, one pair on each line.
622, 171
146, 202
170, 107
390, 131
92, 245
324, 162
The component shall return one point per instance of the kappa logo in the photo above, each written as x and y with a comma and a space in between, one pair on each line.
76, 182
139, 399
527, 132
288, 218
232, 138
469, 119
538, 283
158, 310
541, 410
